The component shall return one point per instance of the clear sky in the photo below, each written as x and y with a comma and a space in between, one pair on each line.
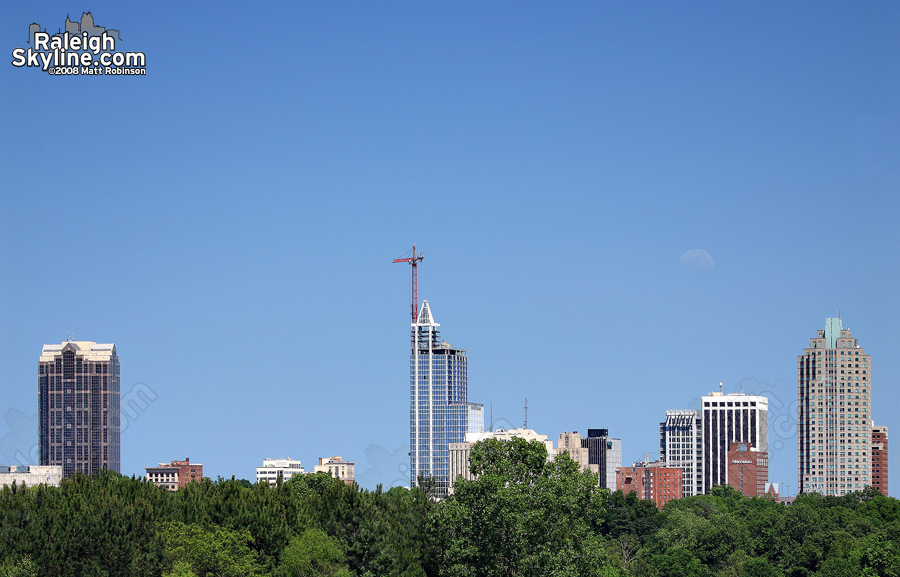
229, 220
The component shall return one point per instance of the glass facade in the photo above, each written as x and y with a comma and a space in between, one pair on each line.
439, 408
78, 407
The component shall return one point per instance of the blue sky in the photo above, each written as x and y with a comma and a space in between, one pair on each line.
229, 219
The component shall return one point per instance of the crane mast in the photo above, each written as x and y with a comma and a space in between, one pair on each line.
413, 261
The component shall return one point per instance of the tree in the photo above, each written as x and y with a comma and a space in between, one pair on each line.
215, 552
313, 554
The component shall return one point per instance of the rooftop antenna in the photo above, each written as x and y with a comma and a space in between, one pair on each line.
491, 424
526, 412
721, 386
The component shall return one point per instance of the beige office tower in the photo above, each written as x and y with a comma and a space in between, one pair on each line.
78, 407
834, 422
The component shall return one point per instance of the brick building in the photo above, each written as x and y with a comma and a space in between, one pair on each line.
880, 459
748, 469
174, 475
652, 481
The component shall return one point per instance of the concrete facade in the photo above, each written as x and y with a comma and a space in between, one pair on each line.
273, 470
30, 475
726, 419
681, 445
337, 467
834, 432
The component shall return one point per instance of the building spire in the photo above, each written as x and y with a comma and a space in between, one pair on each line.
425, 319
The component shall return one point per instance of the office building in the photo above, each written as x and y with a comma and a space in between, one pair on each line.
337, 467
726, 419
78, 407
598, 452
274, 471
175, 474
475, 418
30, 475
438, 401
653, 481
680, 445
880, 459
748, 469
834, 431
459, 452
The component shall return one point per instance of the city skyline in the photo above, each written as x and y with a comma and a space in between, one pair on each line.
621, 207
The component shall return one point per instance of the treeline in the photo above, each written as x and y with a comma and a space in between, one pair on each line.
523, 516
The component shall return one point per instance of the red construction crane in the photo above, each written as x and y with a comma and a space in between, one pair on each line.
413, 261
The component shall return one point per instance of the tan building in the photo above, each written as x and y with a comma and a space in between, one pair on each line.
174, 475
78, 407
880, 459
652, 481
459, 452
834, 432
598, 453
30, 475
337, 467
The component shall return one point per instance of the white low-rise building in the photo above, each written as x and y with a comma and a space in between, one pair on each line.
30, 475
275, 469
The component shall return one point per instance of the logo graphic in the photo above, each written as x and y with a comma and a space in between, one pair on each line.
81, 48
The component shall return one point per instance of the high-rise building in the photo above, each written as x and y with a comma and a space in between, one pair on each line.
681, 445
834, 423
475, 418
438, 402
880, 459
78, 407
726, 419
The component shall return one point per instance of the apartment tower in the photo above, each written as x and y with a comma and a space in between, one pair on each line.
680, 445
78, 407
834, 431
438, 403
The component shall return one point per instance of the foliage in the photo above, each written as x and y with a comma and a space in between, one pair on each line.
313, 554
522, 516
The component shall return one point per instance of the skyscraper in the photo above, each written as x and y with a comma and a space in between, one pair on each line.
78, 407
834, 421
438, 402
680, 445
730, 418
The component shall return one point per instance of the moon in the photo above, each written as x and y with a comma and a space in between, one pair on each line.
698, 259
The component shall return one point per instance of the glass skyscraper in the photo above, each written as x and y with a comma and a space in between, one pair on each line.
78, 407
438, 403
